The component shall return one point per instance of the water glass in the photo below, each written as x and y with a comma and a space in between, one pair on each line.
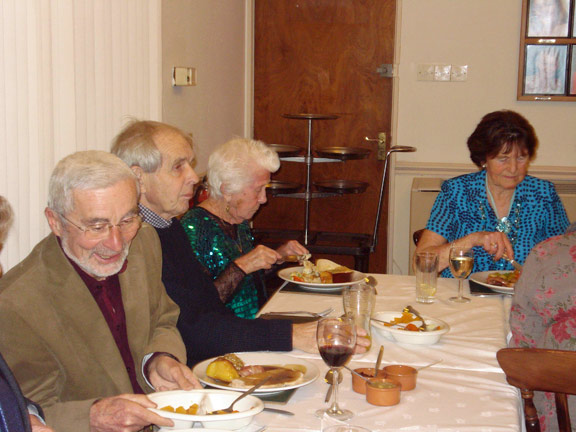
426, 269
359, 302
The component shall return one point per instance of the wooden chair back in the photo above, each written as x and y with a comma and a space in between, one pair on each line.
533, 369
416, 236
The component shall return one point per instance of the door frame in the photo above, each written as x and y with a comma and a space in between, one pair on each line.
249, 106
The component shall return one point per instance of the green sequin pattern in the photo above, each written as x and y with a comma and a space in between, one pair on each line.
215, 250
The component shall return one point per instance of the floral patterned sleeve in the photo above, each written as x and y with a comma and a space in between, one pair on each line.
525, 321
543, 313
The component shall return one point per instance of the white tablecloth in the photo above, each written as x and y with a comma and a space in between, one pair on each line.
466, 392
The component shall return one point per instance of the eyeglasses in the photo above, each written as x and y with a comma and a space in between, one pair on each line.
100, 231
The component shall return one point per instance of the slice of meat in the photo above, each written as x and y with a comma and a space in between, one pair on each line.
251, 370
279, 377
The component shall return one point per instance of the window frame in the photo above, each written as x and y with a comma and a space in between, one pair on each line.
569, 68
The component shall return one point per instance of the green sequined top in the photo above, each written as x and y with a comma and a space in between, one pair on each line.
217, 244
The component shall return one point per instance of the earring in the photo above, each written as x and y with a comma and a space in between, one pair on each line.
228, 208
484, 166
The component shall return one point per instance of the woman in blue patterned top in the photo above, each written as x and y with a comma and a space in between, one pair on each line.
219, 230
498, 210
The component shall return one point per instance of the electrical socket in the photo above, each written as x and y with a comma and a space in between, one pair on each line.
442, 72
425, 72
459, 73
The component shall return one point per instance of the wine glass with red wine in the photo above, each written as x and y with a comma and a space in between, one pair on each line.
336, 338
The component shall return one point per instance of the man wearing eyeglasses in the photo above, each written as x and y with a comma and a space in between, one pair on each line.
85, 322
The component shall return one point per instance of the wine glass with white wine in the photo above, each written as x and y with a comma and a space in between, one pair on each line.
461, 264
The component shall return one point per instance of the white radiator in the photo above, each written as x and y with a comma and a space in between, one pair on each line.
567, 191
425, 190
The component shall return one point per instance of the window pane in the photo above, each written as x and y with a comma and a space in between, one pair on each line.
573, 72
573, 23
548, 18
545, 69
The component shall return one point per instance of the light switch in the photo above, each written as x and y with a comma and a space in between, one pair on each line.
183, 76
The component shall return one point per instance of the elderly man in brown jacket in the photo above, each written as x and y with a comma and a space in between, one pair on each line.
85, 322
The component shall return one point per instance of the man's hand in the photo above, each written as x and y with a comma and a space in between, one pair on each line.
362, 341
37, 425
304, 337
165, 373
124, 413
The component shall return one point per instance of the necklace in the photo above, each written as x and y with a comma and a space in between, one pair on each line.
229, 230
238, 240
509, 224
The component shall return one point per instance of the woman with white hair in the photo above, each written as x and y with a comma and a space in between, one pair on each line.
219, 230
6, 220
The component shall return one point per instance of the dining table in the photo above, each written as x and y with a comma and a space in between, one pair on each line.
466, 391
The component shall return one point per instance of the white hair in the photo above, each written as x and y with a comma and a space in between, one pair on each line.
6, 218
231, 166
92, 169
136, 143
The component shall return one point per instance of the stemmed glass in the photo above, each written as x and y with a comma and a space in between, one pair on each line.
336, 338
461, 264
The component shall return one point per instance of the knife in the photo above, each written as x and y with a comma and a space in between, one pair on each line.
297, 319
279, 411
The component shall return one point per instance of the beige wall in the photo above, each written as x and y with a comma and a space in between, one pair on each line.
209, 35
437, 117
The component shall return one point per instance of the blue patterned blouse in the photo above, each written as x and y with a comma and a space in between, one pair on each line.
462, 207
217, 250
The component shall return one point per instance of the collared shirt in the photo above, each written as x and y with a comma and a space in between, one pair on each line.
108, 295
152, 218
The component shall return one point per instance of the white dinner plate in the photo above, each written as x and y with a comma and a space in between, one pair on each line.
261, 358
318, 287
480, 277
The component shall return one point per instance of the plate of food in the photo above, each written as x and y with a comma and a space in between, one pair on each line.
240, 371
325, 275
499, 281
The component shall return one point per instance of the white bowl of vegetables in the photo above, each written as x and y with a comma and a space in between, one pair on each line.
400, 327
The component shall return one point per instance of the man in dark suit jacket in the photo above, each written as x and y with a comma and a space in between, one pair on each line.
16, 411
17, 414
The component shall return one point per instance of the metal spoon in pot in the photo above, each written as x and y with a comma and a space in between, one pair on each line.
329, 378
357, 374
415, 312
379, 360
428, 365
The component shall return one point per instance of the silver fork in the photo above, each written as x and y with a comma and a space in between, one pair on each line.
314, 314
514, 263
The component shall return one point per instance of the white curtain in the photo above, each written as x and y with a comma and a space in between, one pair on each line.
71, 73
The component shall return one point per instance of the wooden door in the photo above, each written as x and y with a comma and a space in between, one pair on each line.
322, 56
